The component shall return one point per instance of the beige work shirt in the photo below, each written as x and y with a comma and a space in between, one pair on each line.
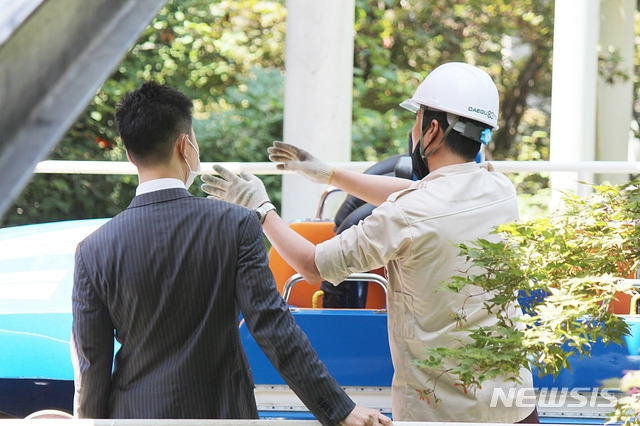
415, 234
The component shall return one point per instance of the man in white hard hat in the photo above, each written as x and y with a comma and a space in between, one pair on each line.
414, 233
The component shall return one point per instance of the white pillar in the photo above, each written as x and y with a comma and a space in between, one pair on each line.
615, 100
573, 91
318, 92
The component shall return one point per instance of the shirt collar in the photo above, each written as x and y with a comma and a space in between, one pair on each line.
452, 169
158, 184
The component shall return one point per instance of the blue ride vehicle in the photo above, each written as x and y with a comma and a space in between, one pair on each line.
36, 278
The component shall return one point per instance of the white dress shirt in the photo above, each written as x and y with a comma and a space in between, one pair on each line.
158, 184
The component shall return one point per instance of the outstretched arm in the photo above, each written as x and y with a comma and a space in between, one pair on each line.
296, 250
248, 191
373, 189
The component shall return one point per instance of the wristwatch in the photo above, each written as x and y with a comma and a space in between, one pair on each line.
263, 209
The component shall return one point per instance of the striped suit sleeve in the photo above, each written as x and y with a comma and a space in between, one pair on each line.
92, 345
270, 322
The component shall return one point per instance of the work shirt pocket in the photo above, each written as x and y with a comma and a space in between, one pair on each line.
404, 320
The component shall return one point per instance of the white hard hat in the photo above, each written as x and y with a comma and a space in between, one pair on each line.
459, 89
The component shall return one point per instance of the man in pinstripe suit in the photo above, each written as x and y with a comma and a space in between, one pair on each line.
168, 277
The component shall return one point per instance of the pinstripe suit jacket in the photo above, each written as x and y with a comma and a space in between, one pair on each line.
169, 276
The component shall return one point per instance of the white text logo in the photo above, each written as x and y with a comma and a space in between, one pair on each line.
555, 397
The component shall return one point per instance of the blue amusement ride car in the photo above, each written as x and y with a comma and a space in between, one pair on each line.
36, 278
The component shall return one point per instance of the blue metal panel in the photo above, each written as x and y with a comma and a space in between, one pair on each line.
36, 265
21, 397
36, 277
606, 362
353, 344
35, 346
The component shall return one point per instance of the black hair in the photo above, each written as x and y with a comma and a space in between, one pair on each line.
460, 145
150, 119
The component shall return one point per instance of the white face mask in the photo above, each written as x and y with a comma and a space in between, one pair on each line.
192, 173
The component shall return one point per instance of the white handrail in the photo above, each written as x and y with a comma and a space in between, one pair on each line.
561, 166
268, 168
126, 168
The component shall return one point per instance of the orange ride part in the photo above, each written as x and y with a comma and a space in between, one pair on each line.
302, 293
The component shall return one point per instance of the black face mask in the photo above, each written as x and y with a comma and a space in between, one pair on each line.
418, 164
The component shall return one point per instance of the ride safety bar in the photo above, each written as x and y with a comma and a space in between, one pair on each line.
364, 276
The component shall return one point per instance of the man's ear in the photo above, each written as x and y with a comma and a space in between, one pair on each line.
181, 144
129, 157
432, 132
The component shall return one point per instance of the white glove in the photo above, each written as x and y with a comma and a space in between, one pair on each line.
246, 190
298, 160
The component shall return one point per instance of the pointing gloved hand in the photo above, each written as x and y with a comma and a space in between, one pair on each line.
298, 160
245, 190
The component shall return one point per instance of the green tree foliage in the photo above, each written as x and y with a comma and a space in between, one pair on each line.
578, 256
398, 43
226, 55
229, 57
635, 126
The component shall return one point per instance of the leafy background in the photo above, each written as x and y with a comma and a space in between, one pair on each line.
229, 57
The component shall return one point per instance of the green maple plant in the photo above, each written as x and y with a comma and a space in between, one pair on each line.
578, 257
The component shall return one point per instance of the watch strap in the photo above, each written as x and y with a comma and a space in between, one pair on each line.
263, 209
